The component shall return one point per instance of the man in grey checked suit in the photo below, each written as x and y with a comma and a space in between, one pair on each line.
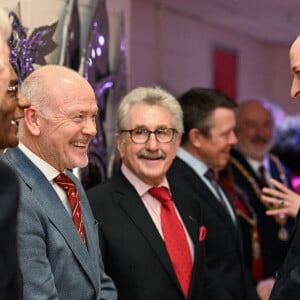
54, 137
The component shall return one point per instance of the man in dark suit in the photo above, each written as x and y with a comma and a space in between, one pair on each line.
209, 124
57, 235
134, 237
252, 167
12, 105
287, 284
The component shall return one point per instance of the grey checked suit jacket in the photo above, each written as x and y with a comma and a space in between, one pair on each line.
53, 259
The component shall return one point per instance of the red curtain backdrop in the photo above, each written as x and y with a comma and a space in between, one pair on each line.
225, 63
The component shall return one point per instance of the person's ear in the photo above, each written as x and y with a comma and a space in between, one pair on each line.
119, 140
195, 137
32, 120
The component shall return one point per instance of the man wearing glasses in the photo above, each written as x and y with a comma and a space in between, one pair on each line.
12, 110
12, 105
152, 236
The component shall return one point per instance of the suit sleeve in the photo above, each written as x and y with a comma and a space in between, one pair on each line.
9, 200
108, 290
35, 265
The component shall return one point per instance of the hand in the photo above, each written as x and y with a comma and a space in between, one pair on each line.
264, 288
290, 203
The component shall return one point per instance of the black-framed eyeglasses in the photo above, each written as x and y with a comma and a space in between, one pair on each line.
13, 91
142, 135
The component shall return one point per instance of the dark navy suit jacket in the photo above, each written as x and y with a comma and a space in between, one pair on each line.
133, 251
273, 249
223, 243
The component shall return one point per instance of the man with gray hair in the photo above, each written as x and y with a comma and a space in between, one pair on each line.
152, 235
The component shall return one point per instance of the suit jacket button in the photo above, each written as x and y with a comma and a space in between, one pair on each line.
278, 275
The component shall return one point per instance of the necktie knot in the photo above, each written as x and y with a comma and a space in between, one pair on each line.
161, 193
210, 175
64, 181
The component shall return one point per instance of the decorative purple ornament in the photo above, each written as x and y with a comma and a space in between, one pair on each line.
120, 79
95, 69
118, 92
70, 49
25, 52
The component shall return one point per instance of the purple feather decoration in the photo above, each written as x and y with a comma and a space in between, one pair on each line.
118, 92
27, 51
95, 69
70, 49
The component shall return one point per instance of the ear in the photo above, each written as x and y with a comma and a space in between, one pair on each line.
32, 120
195, 137
119, 143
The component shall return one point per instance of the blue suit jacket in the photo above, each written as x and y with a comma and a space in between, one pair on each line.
54, 261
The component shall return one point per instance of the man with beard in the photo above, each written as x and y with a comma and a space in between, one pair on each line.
153, 246
253, 167
287, 285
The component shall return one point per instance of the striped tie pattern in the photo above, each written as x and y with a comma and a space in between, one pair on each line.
175, 238
69, 187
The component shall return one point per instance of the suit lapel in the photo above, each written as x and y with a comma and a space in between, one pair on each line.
237, 155
186, 212
201, 189
134, 208
54, 209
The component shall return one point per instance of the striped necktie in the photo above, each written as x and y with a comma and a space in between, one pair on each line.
69, 187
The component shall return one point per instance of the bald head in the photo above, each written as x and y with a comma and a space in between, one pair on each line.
46, 86
255, 128
252, 107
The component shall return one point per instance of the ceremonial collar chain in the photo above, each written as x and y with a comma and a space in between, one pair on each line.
281, 218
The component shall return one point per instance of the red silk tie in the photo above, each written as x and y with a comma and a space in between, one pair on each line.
69, 186
175, 238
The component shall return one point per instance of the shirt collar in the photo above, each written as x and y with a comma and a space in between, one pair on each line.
197, 165
255, 164
140, 186
45, 168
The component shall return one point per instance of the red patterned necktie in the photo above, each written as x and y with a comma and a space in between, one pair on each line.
69, 187
175, 238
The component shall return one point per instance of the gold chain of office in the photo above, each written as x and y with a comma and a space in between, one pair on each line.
280, 219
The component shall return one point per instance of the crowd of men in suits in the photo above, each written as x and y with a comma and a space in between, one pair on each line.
199, 208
